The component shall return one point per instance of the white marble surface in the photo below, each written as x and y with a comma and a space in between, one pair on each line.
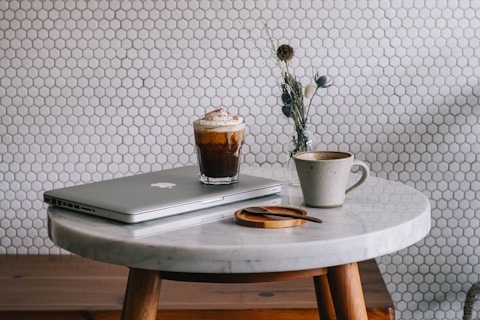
380, 218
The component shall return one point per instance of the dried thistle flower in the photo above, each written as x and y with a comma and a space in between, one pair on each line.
285, 53
322, 81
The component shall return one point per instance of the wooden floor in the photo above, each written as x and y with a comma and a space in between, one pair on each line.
71, 288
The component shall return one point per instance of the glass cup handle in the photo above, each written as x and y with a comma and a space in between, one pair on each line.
365, 173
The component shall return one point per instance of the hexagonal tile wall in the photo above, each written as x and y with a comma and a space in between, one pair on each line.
91, 90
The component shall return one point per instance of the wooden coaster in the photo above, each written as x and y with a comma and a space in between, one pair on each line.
269, 222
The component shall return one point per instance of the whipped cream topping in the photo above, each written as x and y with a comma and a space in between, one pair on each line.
219, 117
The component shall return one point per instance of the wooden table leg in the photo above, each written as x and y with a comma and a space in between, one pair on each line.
347, 293
142, 294
325, 306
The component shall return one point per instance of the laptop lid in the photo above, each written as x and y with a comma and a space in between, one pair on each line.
156, 195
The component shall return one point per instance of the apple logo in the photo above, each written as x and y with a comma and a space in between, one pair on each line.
163, 185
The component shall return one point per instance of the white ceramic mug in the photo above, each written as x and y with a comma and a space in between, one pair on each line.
324, 176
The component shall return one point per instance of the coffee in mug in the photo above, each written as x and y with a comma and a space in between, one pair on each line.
219, 137
324, 176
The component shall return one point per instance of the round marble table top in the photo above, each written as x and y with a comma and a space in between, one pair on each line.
379, 218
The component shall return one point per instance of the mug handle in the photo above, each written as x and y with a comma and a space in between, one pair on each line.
365, 173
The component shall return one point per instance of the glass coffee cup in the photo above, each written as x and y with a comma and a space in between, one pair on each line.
219, 138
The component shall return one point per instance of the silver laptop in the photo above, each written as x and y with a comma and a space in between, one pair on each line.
156, 195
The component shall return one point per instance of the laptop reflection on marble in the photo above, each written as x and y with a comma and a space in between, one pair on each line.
154, 227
